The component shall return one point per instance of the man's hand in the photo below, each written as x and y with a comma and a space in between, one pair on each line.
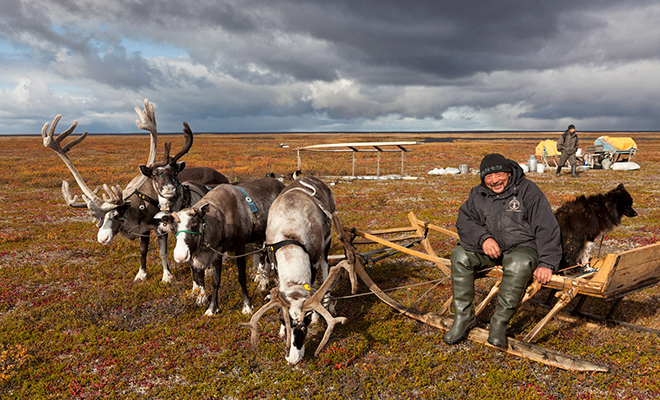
491, 248
543, 275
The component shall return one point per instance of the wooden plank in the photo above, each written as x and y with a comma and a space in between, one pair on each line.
393, 240
402, 249
358, 144
440, 229
634, 268
387, 231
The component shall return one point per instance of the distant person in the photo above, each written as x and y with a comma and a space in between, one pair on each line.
505, 221
568, 146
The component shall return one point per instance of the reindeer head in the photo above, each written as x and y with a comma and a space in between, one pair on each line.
298, 320
190, 231
164, 173
114, 200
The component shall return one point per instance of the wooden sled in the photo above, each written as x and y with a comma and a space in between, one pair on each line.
615, 276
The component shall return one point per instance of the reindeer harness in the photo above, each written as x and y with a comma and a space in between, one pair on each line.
272, 248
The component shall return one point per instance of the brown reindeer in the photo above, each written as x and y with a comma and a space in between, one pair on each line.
226, 219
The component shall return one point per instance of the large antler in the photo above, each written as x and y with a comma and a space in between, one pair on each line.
348, 249
276, 300
96, 205
314, 304
311, 304
146, 122
187, 144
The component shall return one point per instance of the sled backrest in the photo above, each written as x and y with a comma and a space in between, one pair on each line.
629, 271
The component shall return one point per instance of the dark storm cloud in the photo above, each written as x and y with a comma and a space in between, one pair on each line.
334, 63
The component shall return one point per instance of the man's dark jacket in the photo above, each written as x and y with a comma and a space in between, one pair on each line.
520, 216
568, 143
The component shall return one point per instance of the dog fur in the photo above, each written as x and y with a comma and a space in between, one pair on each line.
587, 217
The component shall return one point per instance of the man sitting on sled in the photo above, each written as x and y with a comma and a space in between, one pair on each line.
505, 221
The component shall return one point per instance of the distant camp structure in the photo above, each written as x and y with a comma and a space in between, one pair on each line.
363, 147
614, 149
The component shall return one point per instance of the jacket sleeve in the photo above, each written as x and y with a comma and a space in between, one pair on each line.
545, 228
471, 230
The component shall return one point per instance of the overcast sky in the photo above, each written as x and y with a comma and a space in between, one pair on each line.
331, 65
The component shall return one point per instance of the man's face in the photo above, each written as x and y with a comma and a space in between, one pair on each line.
497, 181
572, 130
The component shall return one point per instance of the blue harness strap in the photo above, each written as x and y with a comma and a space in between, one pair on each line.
250, 202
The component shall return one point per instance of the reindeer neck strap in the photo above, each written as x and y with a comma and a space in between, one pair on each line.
146, 198
272, 248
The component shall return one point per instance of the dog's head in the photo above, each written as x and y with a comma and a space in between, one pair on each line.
623, 201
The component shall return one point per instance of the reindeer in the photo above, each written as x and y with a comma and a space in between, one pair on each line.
172, 194
227, 218
298, 238
129, 211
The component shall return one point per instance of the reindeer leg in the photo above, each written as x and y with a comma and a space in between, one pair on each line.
217, 271
263, 271
241, 263
144, 246
162, 246
198, 291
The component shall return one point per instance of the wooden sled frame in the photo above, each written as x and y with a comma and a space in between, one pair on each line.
615, 276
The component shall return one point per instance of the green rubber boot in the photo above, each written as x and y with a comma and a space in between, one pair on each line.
574, 171
462, 286
518, 266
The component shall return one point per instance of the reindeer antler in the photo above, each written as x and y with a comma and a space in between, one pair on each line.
92, 201
314, 303
146, 122
276, 300
187, 144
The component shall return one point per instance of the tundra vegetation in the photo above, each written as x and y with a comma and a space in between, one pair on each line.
74, 324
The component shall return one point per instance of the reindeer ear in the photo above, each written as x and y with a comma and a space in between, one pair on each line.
620, 187
180, 166
146, 171
204, 209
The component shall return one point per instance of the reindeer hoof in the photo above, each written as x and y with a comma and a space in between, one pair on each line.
141, 275
210, 312
201, 299
167, 277
262, 283
247, 309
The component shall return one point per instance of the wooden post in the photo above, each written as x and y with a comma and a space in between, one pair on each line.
353, 171
299, 168
402, 153
378, 164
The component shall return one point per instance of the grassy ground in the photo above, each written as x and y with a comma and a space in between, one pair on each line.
73, 324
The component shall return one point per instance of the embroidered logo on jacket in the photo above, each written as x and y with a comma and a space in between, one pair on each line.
514, 205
